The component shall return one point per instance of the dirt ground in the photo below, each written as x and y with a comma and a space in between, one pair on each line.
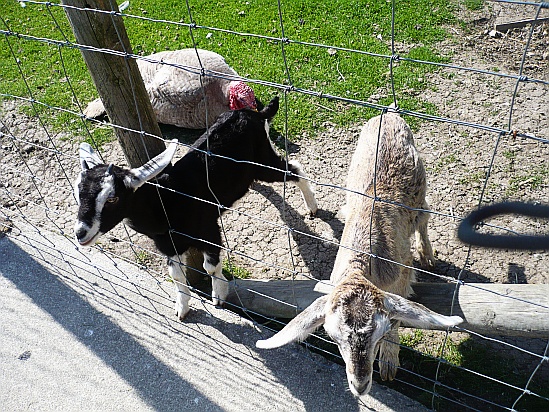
457, 159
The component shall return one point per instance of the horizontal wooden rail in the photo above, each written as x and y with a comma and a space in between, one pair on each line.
489, 309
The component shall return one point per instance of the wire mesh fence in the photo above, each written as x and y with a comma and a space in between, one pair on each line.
485, 141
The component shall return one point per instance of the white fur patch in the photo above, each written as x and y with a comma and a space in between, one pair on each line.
107, 190
336, 327
92, 232
177, 273
76, 189
382, 326
306, 188
267, 129
209, 268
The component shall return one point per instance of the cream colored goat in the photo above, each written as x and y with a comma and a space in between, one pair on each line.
367, 301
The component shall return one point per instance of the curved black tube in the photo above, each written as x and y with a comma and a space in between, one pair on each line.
467, 233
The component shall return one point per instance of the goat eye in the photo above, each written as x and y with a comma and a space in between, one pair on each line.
112, 200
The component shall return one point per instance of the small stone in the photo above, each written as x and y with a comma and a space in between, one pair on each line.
28, 148
25, 355
494, 33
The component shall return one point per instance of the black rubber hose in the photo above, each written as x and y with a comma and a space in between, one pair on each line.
467, 229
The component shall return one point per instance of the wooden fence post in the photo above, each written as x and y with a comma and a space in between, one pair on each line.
116, 77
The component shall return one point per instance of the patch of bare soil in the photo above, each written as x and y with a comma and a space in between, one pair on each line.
37, 170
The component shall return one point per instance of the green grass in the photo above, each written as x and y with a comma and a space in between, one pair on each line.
415, 339
142, 257
231, 270
474, 5
412, 339
48, 70
510, 155
469, 354
533, 179
347, 24
443, 162
474, 178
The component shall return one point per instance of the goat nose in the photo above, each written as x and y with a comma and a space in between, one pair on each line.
361, 387
81, 233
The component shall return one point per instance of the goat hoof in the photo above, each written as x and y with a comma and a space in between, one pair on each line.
182, 316
218, 302
181, 313
428, 263
387, 371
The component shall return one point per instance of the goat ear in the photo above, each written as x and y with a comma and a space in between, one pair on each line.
415, 314
153, 167
299, 327
270, 110
88, 157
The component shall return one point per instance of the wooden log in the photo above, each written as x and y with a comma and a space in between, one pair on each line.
489, 309
116, 78
503, 27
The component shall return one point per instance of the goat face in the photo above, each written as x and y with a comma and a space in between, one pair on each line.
104, 192
356, 315
102, 197
356, 322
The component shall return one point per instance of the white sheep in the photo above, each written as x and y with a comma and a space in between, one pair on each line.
180, 95
384, 208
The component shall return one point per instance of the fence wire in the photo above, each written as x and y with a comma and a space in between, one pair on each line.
51, 177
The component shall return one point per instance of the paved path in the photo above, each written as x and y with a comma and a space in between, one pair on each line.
80, 331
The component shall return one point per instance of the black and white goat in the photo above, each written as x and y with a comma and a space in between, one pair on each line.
186, 213
367, 300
